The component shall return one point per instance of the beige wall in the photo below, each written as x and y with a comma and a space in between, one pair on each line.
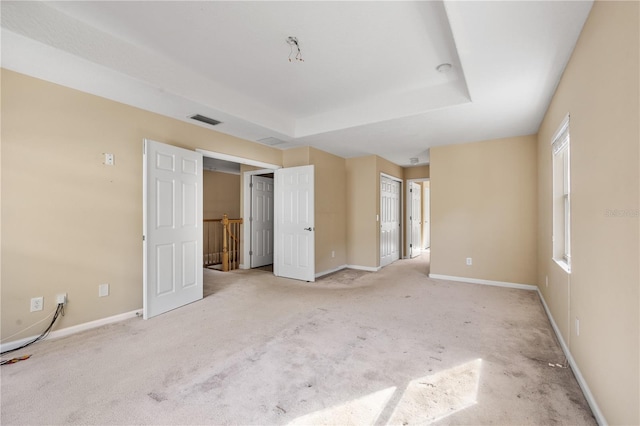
362, 226
296, 157
70, 223
363, 200
330, 210
416, 172
600, 90
483, 206
220, 195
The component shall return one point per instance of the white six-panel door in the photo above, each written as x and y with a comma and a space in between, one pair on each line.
389, 220
172, 227
261, 221
294, 226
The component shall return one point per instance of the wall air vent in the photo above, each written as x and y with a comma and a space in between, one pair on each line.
204, 119
271, 141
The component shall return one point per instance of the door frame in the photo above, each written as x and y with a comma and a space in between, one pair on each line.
408, 213
410, 220
246, 213
246, 193
400, 215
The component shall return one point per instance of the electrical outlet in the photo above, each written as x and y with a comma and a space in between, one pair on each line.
546, 279
333, 253
469, 261
577, 326
103, 290
109, 160
61, 298
37, 304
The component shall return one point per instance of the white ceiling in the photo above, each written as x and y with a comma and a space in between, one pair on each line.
368, 83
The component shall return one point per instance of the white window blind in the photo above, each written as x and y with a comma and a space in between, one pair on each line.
561, 139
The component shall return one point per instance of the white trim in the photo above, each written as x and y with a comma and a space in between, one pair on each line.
341, 267
485, 282
331, 271
574, 367
234, 159
563, 264
365, 268
407, 213
246, 213
397, 179
74, 329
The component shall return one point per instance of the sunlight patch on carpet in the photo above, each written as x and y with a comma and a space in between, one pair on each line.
439, 395
364, 410
424, 400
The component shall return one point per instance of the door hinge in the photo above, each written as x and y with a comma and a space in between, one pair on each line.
251, 185
250, 252
143, 239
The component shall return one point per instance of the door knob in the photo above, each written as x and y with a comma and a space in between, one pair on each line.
308, 229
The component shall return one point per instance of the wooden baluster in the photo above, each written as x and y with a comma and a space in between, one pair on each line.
225, 250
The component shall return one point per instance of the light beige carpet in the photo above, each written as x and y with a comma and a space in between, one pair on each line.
392, 347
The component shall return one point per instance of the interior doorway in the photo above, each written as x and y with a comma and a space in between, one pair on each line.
261, 169
258, 249
414, 223
417, 216
426, 215
261, 220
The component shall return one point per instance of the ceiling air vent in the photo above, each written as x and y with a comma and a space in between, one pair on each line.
271, 141
204, 119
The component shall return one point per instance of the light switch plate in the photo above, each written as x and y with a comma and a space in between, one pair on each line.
103, 290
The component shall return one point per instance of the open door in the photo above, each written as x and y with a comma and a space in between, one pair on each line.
294, 228
172, 227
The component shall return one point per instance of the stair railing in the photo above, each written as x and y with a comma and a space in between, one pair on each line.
222, 242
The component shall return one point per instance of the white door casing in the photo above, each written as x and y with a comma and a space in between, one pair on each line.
261, 221
389, 220
415, 220
294, 228
172, 227
426, 235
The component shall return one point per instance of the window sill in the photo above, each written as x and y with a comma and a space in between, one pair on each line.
563, 264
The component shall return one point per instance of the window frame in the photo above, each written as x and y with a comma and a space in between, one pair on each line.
561, 206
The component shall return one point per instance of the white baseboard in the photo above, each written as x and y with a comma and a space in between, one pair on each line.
485, 282
365, 268
572, 363
330, 271
574, 367
73, 329
341, 267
